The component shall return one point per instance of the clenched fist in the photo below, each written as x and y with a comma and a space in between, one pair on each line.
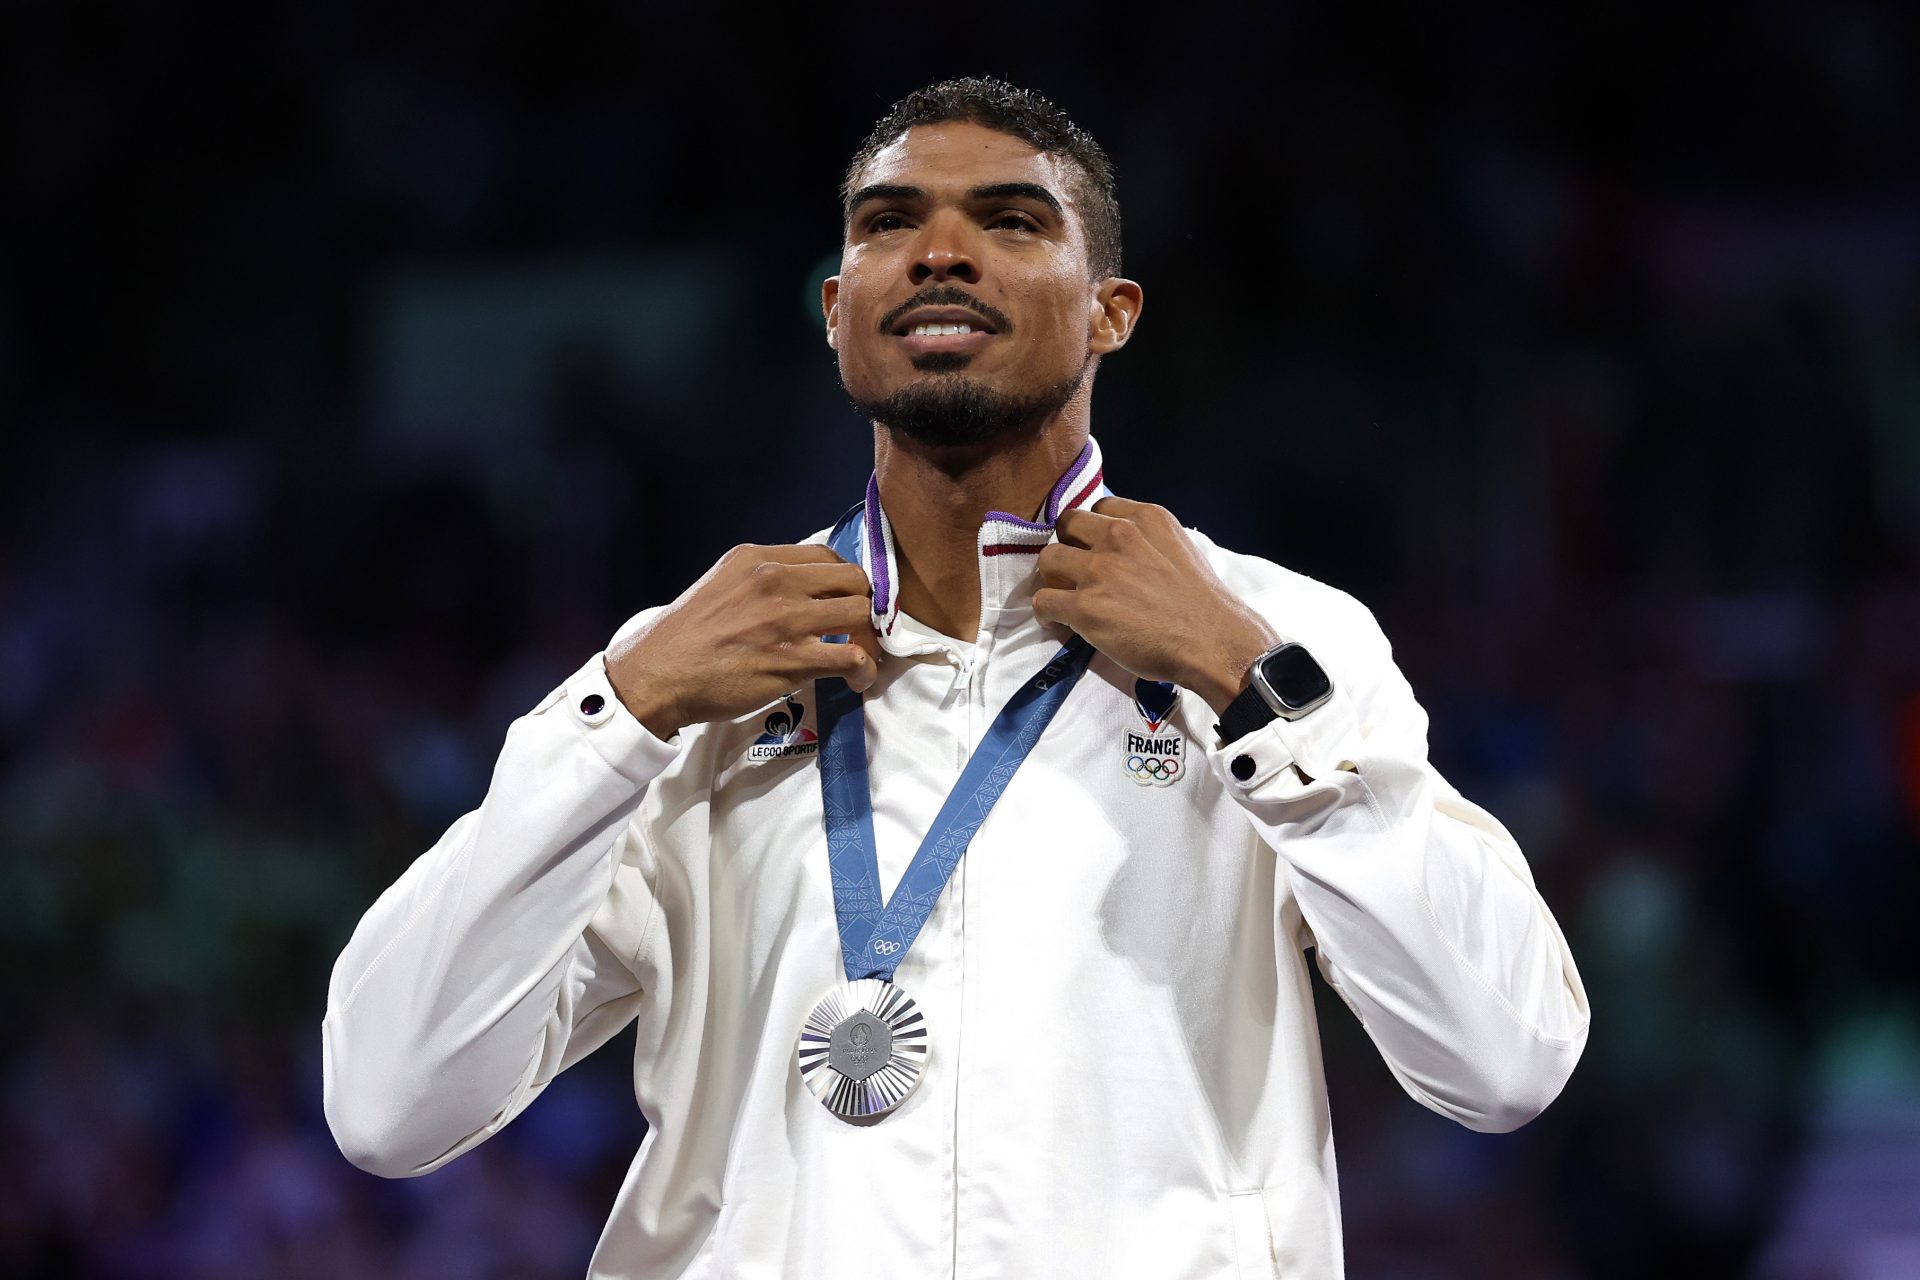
747, 633
1126, 577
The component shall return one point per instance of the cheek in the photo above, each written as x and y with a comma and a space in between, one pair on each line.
855, 333
1058, 310
858, 351
1057, 334
865, 279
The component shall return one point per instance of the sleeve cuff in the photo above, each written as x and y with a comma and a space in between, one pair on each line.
587, 699
1296, 752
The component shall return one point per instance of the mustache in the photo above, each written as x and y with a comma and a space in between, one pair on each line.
946, 295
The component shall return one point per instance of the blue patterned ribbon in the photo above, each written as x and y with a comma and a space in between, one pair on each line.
874, 937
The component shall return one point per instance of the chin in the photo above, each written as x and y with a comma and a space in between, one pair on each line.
948, 409
943, 361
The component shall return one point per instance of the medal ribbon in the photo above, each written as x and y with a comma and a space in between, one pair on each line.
874, 937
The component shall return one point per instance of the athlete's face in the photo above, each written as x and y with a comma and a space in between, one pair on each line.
959, 224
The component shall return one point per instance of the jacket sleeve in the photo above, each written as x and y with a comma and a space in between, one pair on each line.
507, 951
1419, 905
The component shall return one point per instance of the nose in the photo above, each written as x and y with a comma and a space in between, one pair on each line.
943, 255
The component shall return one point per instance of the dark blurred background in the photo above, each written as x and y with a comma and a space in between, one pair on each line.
362, 368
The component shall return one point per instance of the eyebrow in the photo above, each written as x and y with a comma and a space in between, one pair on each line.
883, 191
992, 191
1017, 190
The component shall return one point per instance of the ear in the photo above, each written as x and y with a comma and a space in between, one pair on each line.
830, 308
1116, 309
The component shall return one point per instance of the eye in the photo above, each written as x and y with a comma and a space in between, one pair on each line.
1011, 218
886, 222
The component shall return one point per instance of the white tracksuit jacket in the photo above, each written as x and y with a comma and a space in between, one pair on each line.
1124, 1077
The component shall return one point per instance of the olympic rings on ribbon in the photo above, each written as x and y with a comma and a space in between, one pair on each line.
882, 946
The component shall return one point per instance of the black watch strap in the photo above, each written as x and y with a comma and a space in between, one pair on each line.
1247, 712
1284, 681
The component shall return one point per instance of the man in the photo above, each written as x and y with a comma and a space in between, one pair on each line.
1079, 1039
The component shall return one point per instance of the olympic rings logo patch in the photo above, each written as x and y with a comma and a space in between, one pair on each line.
883, 947
1152, 771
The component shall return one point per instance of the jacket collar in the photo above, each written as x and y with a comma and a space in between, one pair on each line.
1007, 544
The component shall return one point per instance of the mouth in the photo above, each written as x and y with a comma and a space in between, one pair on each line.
954, 330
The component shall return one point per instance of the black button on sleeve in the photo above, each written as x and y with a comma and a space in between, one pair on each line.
591, 704
1242, 767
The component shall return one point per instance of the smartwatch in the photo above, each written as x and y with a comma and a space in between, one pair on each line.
1287, 683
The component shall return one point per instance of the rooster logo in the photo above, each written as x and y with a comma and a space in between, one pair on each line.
786, 733
784, 727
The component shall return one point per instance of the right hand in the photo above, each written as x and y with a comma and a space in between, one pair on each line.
746, 634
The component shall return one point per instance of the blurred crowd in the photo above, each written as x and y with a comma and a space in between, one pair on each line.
356, 388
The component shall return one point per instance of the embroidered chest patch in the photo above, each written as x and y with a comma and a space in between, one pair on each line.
1153, 752
787, 734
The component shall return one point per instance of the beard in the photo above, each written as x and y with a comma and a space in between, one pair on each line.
952, 410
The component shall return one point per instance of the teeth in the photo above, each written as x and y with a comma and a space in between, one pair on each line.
940, 330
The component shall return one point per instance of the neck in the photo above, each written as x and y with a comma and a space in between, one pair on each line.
937, 497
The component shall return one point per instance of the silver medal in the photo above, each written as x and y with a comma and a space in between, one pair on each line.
863, 1049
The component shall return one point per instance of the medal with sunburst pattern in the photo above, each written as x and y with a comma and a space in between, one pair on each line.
863, 1049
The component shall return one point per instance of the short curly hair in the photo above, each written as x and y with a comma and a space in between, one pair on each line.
1022, 114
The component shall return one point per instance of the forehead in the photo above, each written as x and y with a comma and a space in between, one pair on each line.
952, 157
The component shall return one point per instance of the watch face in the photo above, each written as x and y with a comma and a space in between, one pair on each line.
1292, 673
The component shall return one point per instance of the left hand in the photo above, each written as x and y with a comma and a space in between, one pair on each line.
1125, 576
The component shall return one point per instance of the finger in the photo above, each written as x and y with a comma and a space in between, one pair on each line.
781, 581
1083, 528
1053, 604
822, 580
1062, 565
803, 553
1123, 508
834, 616
750, 554
851, 662
1162, 527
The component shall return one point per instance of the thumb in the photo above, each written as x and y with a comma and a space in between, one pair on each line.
867, 640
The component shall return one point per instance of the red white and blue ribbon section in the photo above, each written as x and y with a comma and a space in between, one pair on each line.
874, 937
1001, 533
